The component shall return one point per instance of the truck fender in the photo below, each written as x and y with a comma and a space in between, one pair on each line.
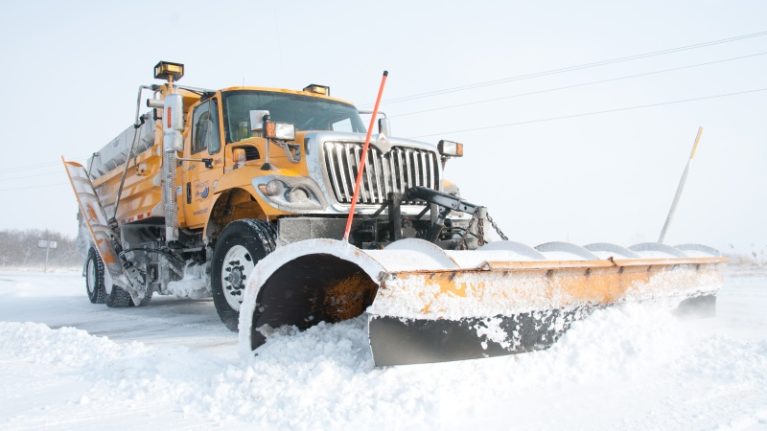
230, 205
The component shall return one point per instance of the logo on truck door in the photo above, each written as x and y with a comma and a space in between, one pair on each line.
201, 190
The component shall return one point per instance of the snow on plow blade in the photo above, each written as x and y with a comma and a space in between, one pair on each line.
426, 304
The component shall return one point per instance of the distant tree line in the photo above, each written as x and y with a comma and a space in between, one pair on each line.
19, 248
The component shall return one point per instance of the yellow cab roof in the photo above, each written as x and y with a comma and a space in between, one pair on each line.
287, 91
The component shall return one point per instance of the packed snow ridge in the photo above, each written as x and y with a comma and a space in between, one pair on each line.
628, 367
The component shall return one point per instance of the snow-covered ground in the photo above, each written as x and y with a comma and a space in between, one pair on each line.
68, 364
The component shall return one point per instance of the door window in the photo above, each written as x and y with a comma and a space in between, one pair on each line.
205, 130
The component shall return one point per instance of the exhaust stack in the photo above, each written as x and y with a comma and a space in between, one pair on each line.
173, 125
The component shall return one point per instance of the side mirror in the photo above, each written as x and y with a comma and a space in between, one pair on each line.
384, 128
257, 119
383, 122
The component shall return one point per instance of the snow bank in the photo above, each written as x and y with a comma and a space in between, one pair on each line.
633, 367
65, 347
323, 378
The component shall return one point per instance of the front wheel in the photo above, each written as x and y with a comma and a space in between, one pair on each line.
241, 245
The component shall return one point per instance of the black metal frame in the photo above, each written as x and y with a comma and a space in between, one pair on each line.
439, 205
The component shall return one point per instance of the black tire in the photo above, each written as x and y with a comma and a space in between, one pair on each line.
118, 298
121, 298
147, 298
258, 238
94, 277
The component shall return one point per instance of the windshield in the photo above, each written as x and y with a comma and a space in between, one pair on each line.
305, 113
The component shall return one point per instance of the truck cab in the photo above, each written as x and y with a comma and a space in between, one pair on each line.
225, 149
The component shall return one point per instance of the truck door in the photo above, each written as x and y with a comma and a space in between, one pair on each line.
205, 142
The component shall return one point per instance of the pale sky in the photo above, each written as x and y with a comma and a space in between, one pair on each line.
71, 70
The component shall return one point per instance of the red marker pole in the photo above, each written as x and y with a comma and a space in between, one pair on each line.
363, 159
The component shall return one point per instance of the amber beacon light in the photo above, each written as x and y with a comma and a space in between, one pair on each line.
168, 70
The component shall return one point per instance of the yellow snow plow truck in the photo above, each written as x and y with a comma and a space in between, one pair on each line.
242, 194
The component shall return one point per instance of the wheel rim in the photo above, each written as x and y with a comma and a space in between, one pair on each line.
238, 264
90, 277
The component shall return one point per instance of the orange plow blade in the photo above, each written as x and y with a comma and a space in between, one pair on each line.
425, 304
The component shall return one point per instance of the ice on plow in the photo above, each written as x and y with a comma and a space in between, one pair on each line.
426, 304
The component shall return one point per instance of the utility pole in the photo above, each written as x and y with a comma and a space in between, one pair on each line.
680, 186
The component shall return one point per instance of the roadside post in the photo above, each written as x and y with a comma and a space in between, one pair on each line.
47, 245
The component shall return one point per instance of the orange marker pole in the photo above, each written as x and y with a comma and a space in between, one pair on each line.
363, 159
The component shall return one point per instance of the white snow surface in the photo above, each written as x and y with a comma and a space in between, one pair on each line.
69, 364
194, 285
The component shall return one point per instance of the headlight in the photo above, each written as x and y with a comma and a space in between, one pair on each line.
297, 195
279, 131
290, 193
272, 188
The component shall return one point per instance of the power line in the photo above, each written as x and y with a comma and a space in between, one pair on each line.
33, 187
36, 166
37, 175
582, 84
573, 68
604, 111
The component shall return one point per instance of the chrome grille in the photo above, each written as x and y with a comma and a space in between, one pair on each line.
394, 171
